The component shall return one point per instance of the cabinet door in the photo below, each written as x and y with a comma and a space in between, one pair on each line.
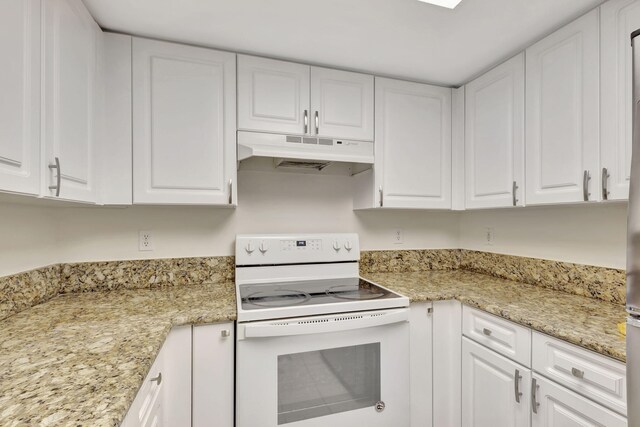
273, 96
213, 375
556, 406
20, 100
421, 364
413, 145
70, 39
490, 384
494, 137
341, 104
562, 114
619, 18
183, 124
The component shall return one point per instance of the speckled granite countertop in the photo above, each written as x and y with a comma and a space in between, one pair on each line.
80, 358
580, 320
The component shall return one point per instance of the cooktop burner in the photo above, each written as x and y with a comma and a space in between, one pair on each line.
310, 292
353, 293
277, 298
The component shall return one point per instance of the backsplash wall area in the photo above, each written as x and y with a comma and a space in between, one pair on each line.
595, 234
34, 236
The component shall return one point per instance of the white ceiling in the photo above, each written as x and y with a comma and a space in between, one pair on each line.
400, 38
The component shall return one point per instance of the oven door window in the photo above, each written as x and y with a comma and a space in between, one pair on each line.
318, 383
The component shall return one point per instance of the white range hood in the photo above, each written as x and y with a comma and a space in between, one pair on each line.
303, 151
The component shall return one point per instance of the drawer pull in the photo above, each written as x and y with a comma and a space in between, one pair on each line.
534, 389
486, 331
225, 333
577, 373
157, 379
516, 387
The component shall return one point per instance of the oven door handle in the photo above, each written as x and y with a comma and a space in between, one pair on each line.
322, 324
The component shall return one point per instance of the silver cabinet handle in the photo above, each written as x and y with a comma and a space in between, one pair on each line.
230, 191
514, 189
486, 331
56, 166
157, 379
534, 389
577, 373
225, 333
317, 124
605, 180
516, 387
306, 121
380, 190
585, 185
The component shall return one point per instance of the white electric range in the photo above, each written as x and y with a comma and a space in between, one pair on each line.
317, 345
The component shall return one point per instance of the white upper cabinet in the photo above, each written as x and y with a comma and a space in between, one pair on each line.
20, 99
273, 96
494, 137
495, 390
341, 104
70, 40
184, 119
288, 98
412, 145
562, 114
619, 18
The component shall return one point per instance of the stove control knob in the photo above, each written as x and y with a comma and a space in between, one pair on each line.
249, 248
263, 247
348, 246
336, 245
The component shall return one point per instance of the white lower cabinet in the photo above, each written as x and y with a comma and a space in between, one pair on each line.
213, 375
495, 390
446, 323
421, 363
164, 399
556, 406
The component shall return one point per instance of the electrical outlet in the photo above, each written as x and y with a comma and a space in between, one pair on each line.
489, 236
145, 241
398, 238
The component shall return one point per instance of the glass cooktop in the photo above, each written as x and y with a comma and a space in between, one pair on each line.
310, 292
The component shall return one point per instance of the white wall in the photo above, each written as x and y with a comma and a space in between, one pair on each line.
591, 234
28, 237
268, 203
33, 236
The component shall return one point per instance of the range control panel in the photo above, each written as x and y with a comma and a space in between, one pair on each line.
301, 245
273, 249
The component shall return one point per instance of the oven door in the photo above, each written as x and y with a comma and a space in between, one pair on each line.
335, 370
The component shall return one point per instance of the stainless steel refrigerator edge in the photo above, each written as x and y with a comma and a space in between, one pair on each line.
633, 252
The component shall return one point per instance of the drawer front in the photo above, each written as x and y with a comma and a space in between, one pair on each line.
590, 374
502, 336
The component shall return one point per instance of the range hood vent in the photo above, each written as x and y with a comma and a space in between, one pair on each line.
300, 164
303, 151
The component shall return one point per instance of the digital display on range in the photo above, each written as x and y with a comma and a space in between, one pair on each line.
301, 243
